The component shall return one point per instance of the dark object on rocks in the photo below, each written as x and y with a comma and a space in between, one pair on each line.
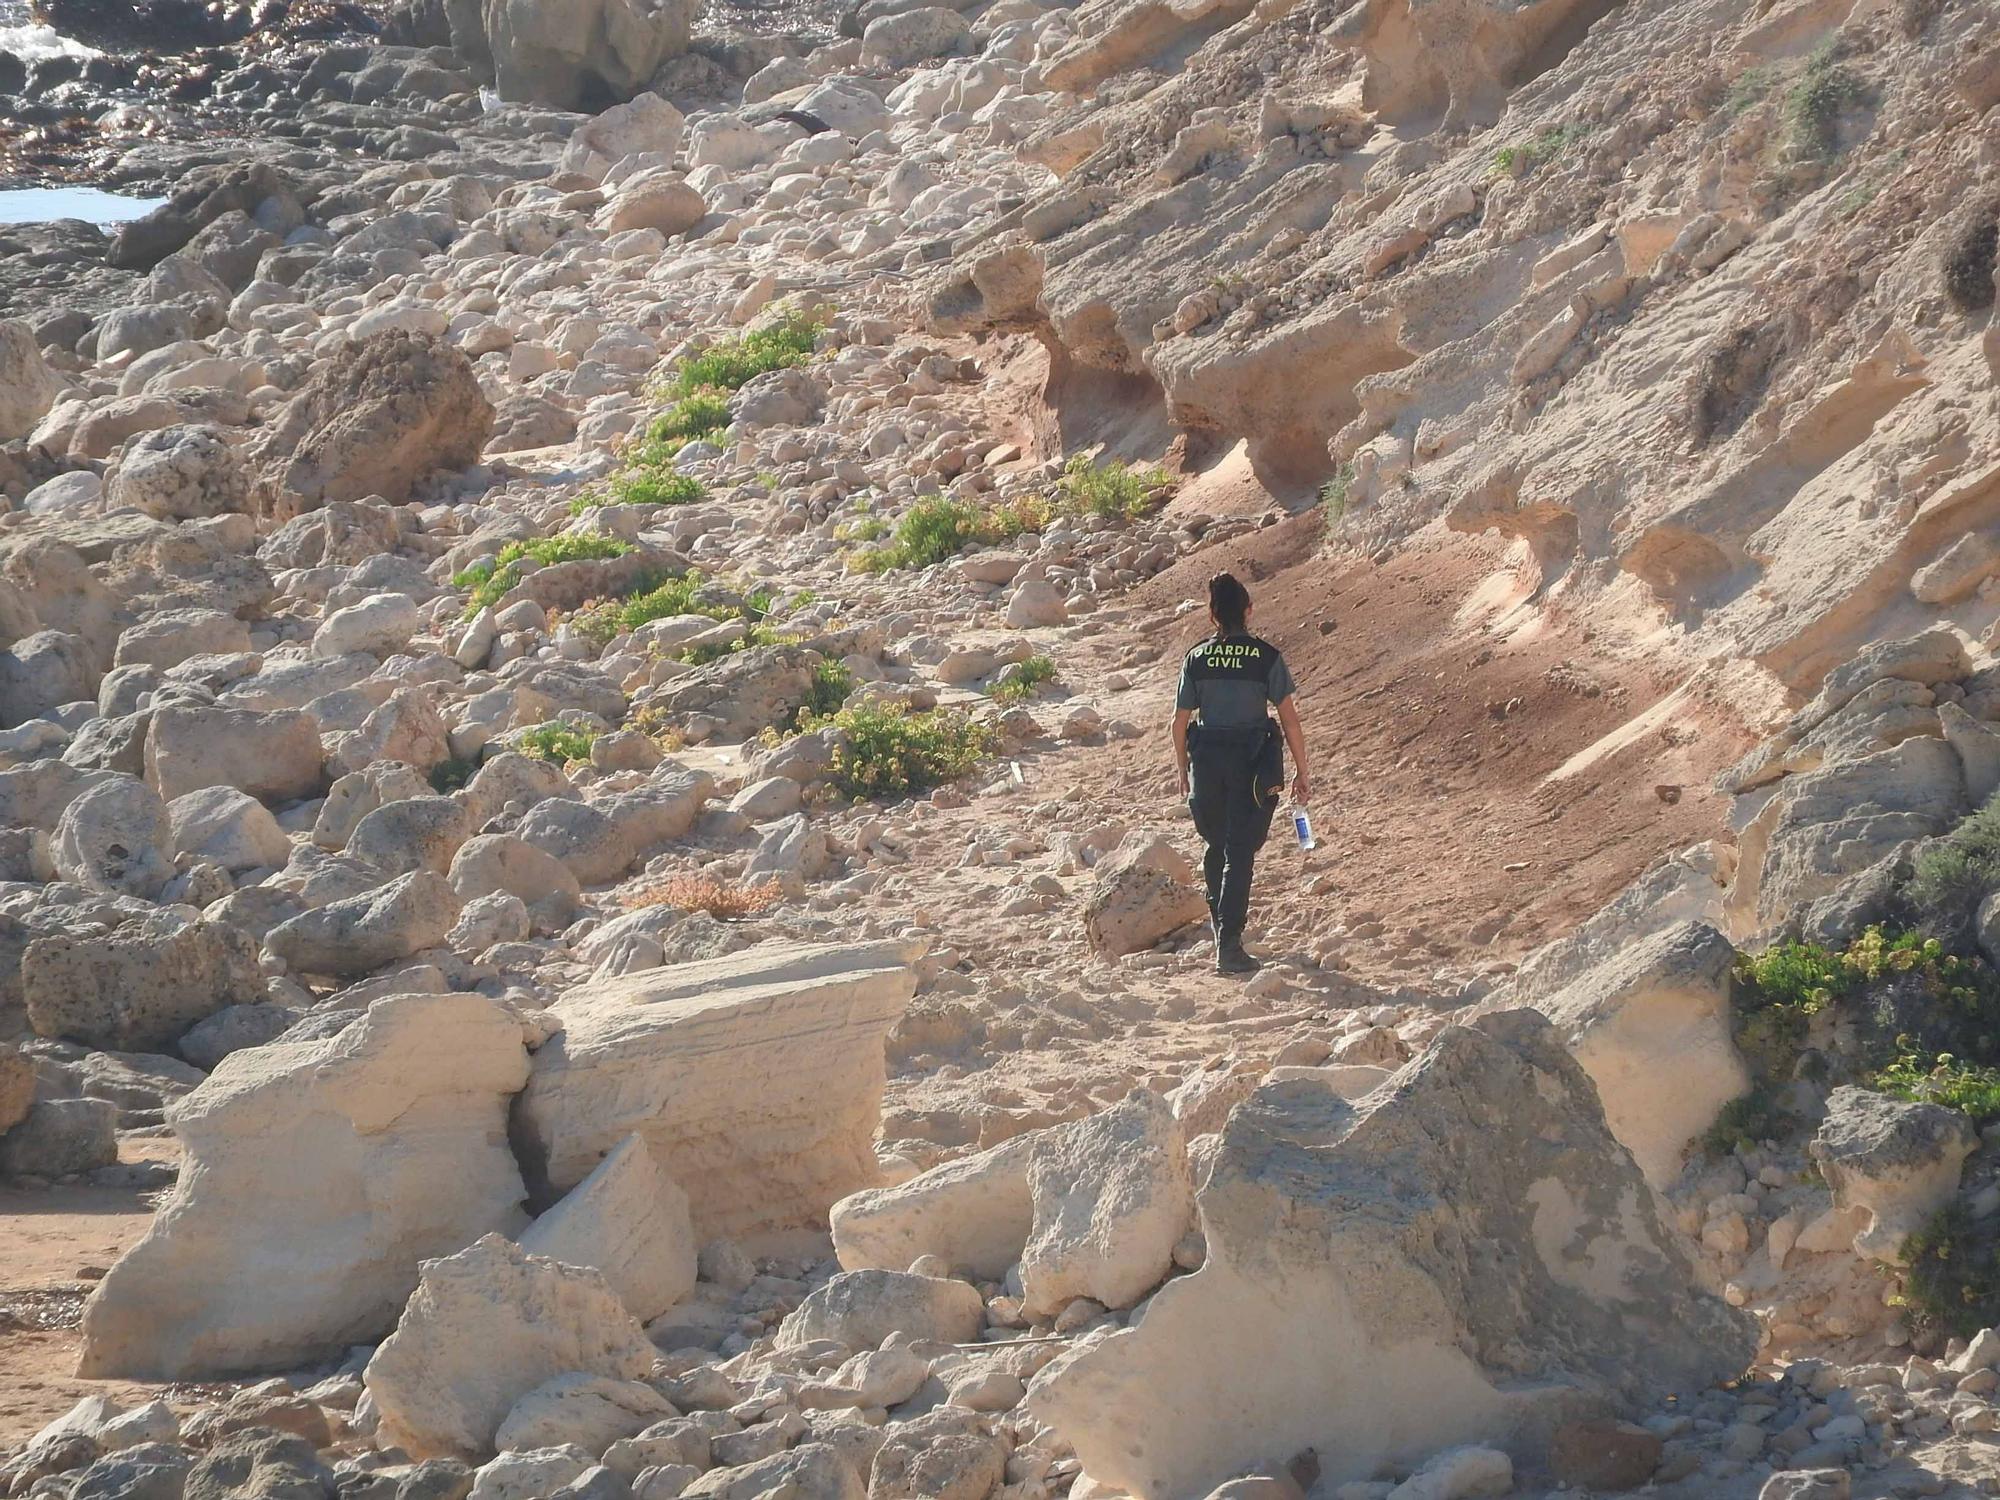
1604, 1454
1969, 259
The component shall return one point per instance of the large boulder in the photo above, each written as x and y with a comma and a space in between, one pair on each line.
116, 836
663, 1054
180, 473
645, 123
1821, 828
974, 1214
484, 1328
862, 1308
28, 386
138, 988
359, 934
273, 757
61, 1136
1651, 1026
1467, 1255
1111, 1194
229, 828
1897, 1160
318, 1176
570, 52
628, 1219
1144, 891
43, 671
377, 418
747, 692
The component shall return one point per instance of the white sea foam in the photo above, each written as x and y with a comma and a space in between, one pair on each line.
31, 42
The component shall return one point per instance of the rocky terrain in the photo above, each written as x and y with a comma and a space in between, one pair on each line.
591, 897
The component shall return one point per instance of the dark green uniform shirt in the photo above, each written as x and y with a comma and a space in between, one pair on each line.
1228, 681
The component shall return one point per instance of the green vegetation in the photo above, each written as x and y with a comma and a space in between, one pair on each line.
1018, 682
557, 741
492, 579
1951, 1273
1109, 491
1969, 1088
1751, 88
1952, 876
734, 363
447, 776
867, 529
1813, 104
1541, 148
1913, 1020
890, 752
699, 392
936, 528
680, 594
1333, 495
1756, 1117
832, 686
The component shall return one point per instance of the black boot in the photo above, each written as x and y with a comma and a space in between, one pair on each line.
1231, 959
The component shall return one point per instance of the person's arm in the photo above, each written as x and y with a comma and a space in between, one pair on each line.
1182, 717
1295, 738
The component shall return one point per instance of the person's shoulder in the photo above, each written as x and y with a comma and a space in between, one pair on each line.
1199, 648
1259, 641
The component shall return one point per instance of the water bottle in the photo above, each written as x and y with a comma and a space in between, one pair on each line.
1302, 826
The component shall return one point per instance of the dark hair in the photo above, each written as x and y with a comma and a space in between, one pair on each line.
1228, 601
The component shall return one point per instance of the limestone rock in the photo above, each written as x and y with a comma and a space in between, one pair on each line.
116, 836
862, 1308
412, 834
136, 989
28, 386
17, 1088
559, 54
655, 200
380, 625
499, 862
484, 1328
1899, 1161
974, 1214
590, 1412
273, 757
43, 671
1455, 1258
354, 1158
1651, 1026
662, 1054
946, 1454
225, 827
811, 1471
1034, 603
629, 1220
362, 933
1112, 1194
1144, 891
61, 1136
180, 473
376, 418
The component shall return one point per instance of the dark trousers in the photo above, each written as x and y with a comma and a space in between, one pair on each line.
1232, 815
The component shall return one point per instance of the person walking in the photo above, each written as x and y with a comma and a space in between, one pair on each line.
1230, 756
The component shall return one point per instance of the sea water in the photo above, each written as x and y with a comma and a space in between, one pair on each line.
42, 205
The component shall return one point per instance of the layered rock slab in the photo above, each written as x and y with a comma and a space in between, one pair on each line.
1465, 1255
317, 1177
670, 1055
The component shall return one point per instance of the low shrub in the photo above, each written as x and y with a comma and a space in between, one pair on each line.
1333, 495
1018, 683
832, 686
1747, 1122
890, 752
1969, 1088
1538, 150
733, 363
447, 776
492, 579
1951, 877
1951, 1273
1109, 491
693, 891
557, 741
1813, 104
937, 528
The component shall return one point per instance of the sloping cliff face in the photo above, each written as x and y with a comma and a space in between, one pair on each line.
1694, 300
